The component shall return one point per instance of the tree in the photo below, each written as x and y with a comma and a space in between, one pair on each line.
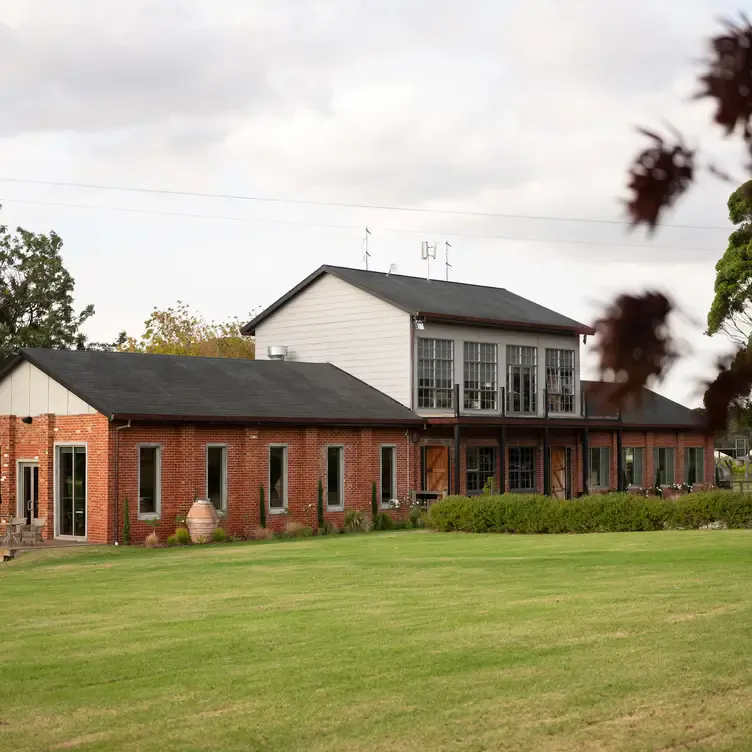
36, 294
179, 331
731, 310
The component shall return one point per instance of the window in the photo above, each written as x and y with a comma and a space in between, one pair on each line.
335, 476
663, 465
71, 490
599, 475
522, 469
480, 376
435, 373
277, 477
480, 466
521, 379
149, 481
634, 464
216, 476
560, 380
388, 474
694, 465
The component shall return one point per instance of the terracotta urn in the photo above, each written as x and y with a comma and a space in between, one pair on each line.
202, 520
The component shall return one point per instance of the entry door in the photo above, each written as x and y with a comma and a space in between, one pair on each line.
28, 497
71, 491
437, 468
560, 472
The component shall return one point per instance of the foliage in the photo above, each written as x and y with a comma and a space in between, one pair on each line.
329, 528
183, 536
126, 522
417, 516
320, 504
218, 535
294, 528
262, 533
172, 540
382, 521
152, 540
36, 294
521, 513
262, 506
179, 331
374, 503
489, 487
306, 531
355, 521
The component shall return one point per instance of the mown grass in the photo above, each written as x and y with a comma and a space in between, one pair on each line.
391, 641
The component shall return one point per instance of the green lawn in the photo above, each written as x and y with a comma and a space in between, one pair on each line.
393, 641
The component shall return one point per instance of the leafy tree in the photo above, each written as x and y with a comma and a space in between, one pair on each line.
179, 331
731, 310
36, 294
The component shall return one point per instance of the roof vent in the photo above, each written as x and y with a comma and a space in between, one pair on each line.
276, 352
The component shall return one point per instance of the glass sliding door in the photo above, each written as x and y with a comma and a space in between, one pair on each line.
71, 491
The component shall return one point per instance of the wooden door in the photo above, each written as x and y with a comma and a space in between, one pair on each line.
559, 472
437, 468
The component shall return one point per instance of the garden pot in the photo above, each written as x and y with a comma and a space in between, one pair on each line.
202, 520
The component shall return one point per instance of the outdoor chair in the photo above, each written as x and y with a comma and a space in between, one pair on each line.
16, 528
28, 536
37, 525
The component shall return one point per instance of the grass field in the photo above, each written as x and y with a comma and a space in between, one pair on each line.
394, 641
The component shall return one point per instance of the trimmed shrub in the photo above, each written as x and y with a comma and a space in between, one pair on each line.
126, 522
306, 532
417, 517
374, 506
151, 540
382, 521
614, 512
219, 535
294, 528
355, 521
320, 505
172, 540
262, 506
329, 528
182, 536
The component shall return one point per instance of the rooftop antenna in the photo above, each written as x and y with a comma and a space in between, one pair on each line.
392, 269
447, 246
366, 254
428, 252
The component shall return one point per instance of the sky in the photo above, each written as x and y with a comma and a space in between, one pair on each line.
525, 108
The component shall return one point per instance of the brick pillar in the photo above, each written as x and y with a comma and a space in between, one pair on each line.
8, 464
680, 469
649, 469
312, 465
46, 489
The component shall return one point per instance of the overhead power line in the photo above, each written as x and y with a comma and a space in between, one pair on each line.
338, 204
263, 220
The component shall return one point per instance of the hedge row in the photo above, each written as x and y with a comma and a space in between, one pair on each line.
518, 513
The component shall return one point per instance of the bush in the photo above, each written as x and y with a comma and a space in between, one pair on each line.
306, 532
262, 533
126, 522
172, 540
374, 506
382, 521
293, 528
320, 505
355, 521
182, 536
329, 528
523, 513
262, 506
417, 517
219, 535
152, 540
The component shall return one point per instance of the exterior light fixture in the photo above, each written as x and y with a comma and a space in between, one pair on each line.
28, 420
420, 324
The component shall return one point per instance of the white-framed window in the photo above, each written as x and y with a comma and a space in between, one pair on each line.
216, 475
335, 477
388, 474
663, 466
435, 373
560, 380
522, 379
149, 481
481, 388
277, 477
694, 465
522, 469
599, 475
480, 465
634, 466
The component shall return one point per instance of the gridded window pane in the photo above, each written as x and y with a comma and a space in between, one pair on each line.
522, 380
663, 466
480, 376
388, 474
694, 465
599, 475
480, 466
522, 468
634, 464
560, 380
277, 477
148, 480
435, 373
335, 476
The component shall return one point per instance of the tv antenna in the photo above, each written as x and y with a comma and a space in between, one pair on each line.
428, 252
364, 248
448, 266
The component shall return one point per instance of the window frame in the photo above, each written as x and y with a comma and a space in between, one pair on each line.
157, 514
489, 394
534, 451
57, 490
522, 368
656, 463
393, 447
224, 471
433, 390
285, 473
557, 371
640, 449
601, 451
687, 454
341, 505
479, 472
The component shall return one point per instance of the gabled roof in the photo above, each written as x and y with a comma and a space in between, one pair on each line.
439, 300
653, 409
171, 387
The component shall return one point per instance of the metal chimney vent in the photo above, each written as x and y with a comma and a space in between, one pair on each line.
276, 352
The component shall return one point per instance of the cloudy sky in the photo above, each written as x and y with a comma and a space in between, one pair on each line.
523, 108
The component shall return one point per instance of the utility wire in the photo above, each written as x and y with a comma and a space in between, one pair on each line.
190, 215
338, 204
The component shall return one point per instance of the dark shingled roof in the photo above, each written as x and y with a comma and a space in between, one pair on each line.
653, 410
454, 301
171, 387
